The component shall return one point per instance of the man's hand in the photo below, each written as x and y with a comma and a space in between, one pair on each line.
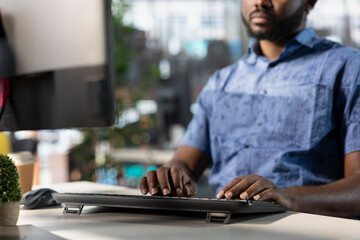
173, 181
258, 188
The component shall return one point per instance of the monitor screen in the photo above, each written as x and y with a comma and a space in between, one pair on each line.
61, 56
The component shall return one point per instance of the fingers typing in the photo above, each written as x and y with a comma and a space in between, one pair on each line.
246, 187
152, 183
143, 186
163, 179
176, 177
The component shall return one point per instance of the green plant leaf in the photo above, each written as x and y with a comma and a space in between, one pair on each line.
9, 181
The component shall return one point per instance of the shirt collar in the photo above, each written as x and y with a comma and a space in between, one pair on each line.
306, 37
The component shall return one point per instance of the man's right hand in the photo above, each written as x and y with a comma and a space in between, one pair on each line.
170, 181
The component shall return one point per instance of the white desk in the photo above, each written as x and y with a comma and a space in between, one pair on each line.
96, 224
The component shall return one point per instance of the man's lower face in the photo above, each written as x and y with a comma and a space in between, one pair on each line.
272, 31
259, 30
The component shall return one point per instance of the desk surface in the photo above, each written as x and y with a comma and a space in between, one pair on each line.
105, 224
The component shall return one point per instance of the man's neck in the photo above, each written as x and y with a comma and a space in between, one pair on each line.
272, 50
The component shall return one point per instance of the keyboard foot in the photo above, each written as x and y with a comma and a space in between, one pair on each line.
73, 209
214, 217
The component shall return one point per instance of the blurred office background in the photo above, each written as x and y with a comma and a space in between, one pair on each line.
165, 50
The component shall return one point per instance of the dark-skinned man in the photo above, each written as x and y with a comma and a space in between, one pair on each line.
282, 124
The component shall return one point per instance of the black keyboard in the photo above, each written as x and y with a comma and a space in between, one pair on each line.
218, 210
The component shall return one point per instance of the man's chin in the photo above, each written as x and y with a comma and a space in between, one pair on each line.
258, 30
260, 35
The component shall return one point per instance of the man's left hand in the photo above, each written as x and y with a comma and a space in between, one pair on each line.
257, 188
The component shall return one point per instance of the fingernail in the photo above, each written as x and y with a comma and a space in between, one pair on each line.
178, 191
244, 196
166, 191
228, 195
154, 191
220, 194
144, 191
257, 197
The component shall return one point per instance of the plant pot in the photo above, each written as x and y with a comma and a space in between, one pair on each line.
9, 213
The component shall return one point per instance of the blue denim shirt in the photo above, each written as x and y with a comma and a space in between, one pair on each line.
290, 120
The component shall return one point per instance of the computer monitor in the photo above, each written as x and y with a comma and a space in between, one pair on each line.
62, 56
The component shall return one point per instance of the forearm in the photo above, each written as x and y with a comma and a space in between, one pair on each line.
340, 198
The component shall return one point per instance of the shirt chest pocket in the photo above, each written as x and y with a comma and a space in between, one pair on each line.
282, 117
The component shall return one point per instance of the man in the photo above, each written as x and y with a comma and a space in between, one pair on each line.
282, 124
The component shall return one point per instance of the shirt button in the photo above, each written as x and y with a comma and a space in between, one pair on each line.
246, 146
259, 123
264, 92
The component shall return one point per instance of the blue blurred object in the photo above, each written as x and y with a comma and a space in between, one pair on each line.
236, 49
151, 168
107, 176
197, 48
133, 171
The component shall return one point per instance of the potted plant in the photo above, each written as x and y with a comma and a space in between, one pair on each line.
10, 192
